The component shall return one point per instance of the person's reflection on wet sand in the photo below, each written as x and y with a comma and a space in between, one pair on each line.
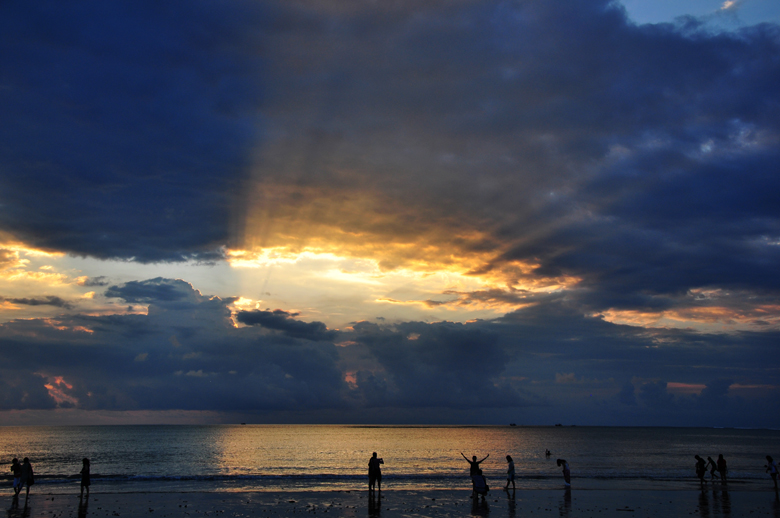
716, 503
83, 507
564, 509
479, 507
776, 505
15, 512
374, 504
725, 502
511, 503
704, 504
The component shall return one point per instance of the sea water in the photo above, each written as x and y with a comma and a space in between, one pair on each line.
325, 457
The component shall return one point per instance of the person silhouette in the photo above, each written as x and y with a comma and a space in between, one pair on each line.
474, 469
17, 470
712, 466
701, 469
479, 484
85, 479
474, 463
374, 472
566, 472
510, 472
27, 475
771, 468
722, 469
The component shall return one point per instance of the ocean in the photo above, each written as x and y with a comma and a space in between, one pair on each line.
325, 457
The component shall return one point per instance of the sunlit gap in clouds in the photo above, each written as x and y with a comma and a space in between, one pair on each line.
706, 310
338, 289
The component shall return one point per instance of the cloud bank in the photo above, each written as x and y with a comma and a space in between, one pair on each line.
187, 353
612, 184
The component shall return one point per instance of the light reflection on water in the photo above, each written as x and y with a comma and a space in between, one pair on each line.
240, 458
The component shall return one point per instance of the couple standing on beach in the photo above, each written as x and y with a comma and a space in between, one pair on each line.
23, 475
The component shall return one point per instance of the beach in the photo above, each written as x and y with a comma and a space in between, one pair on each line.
281, 470
404, 503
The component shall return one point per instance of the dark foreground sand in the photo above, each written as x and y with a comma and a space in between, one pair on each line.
434, 503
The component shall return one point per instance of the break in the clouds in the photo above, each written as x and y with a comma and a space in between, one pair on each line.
605, 188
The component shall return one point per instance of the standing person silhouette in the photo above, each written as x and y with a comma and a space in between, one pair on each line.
85, 481
510, 472
474, 464
374, 473
17, 470
722, 469
771, 468
27, 475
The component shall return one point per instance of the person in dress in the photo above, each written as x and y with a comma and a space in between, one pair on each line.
722, 469
16, 468
565, 470
374, 472
510, 472
85, 481
27, 475
771, 468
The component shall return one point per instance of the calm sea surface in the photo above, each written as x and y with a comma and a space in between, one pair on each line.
268, 458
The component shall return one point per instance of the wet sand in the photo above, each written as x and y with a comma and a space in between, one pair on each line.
433, 503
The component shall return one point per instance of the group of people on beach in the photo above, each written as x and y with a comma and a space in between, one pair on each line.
478, 481
24, 476
712, 466
480, 486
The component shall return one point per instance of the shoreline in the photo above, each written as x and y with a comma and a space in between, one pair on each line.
732, 503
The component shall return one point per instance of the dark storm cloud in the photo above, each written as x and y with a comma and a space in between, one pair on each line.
537, 363
437, 365
548, 361
184, 354
126, 124
641, 159
48, 300
285, 322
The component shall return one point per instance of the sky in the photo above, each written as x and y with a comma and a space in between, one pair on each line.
442, 212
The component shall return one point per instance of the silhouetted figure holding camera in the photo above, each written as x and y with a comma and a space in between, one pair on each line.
375, 473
